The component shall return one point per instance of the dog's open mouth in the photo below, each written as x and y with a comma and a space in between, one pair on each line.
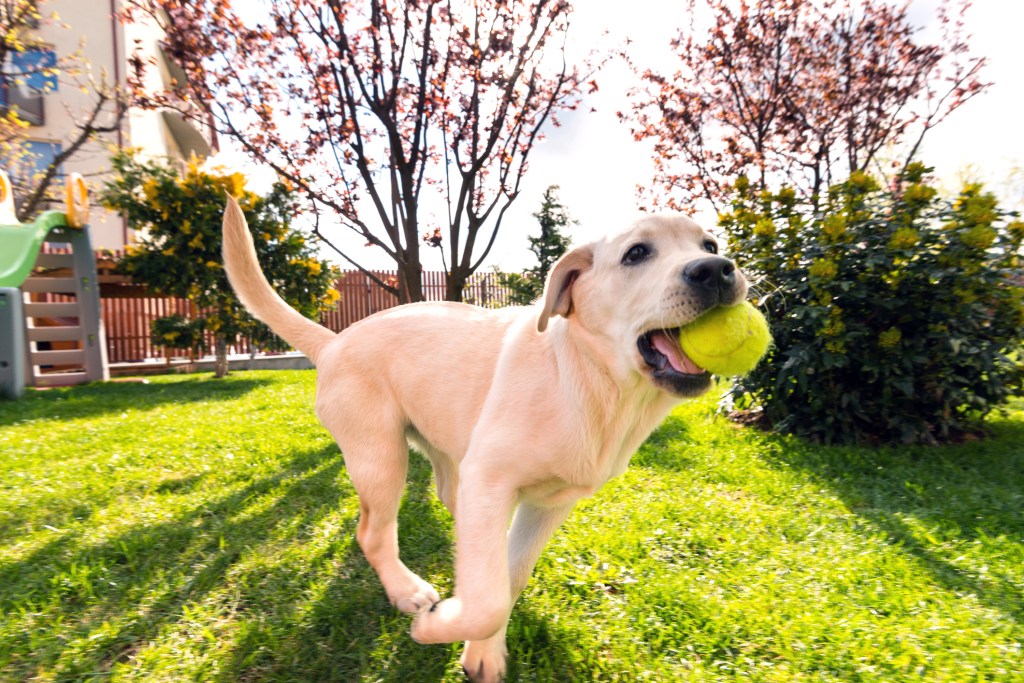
670, 366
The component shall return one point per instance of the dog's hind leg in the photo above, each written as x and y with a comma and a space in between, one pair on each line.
377, 466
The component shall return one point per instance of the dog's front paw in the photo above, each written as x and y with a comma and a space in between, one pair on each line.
484, 660
438, 622
452, 620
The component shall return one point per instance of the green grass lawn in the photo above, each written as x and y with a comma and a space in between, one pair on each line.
198, 530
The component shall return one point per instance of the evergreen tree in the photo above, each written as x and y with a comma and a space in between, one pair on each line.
553, 217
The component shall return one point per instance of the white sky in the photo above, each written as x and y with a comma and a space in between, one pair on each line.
597, 164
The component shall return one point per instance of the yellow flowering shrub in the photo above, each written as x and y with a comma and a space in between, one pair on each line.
823, 269
890, 338
898, 315
904, 238
178, 216
764, 228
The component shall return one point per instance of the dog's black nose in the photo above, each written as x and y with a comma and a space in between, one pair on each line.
714, 273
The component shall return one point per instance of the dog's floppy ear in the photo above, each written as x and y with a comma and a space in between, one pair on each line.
557, 298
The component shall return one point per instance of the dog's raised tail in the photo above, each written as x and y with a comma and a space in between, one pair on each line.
256, 294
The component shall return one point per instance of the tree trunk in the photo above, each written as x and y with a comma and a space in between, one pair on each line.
410, 283
455, 283
221, 363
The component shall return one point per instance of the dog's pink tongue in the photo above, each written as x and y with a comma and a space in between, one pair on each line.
669, 348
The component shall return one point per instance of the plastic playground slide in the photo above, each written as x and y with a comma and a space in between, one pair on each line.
25, 348
20, 242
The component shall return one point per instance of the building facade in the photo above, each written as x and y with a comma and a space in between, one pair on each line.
90, 34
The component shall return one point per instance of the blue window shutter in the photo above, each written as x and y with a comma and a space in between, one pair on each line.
29, 66
27, 97
41, 155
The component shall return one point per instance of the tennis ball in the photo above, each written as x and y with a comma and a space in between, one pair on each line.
728, 340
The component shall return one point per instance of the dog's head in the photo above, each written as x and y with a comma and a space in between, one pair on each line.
633, 291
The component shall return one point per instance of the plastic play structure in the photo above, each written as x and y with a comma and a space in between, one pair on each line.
43, 341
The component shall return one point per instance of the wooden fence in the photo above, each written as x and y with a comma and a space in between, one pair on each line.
127, 316
128, 311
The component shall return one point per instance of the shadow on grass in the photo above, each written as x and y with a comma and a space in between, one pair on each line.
99, 399
229, 573
349, 631
540, 650
137, 583
932, 503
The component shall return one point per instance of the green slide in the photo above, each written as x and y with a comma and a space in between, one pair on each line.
19, 246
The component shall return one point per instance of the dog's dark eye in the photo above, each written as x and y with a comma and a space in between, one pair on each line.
711, 246
636, 254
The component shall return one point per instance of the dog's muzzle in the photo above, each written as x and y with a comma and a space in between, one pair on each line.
710, 282
670, 368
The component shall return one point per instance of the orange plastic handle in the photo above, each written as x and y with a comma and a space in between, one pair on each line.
76, 195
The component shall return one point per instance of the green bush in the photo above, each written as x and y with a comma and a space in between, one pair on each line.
178, 332
897, 315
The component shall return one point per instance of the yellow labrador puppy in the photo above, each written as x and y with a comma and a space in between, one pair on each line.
521, 411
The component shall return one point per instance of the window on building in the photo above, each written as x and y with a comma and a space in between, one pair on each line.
41, 156
36, 157
28, 77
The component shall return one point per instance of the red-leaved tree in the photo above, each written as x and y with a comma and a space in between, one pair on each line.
801, 91
374, 108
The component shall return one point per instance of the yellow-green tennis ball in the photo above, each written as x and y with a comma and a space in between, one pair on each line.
728, 340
